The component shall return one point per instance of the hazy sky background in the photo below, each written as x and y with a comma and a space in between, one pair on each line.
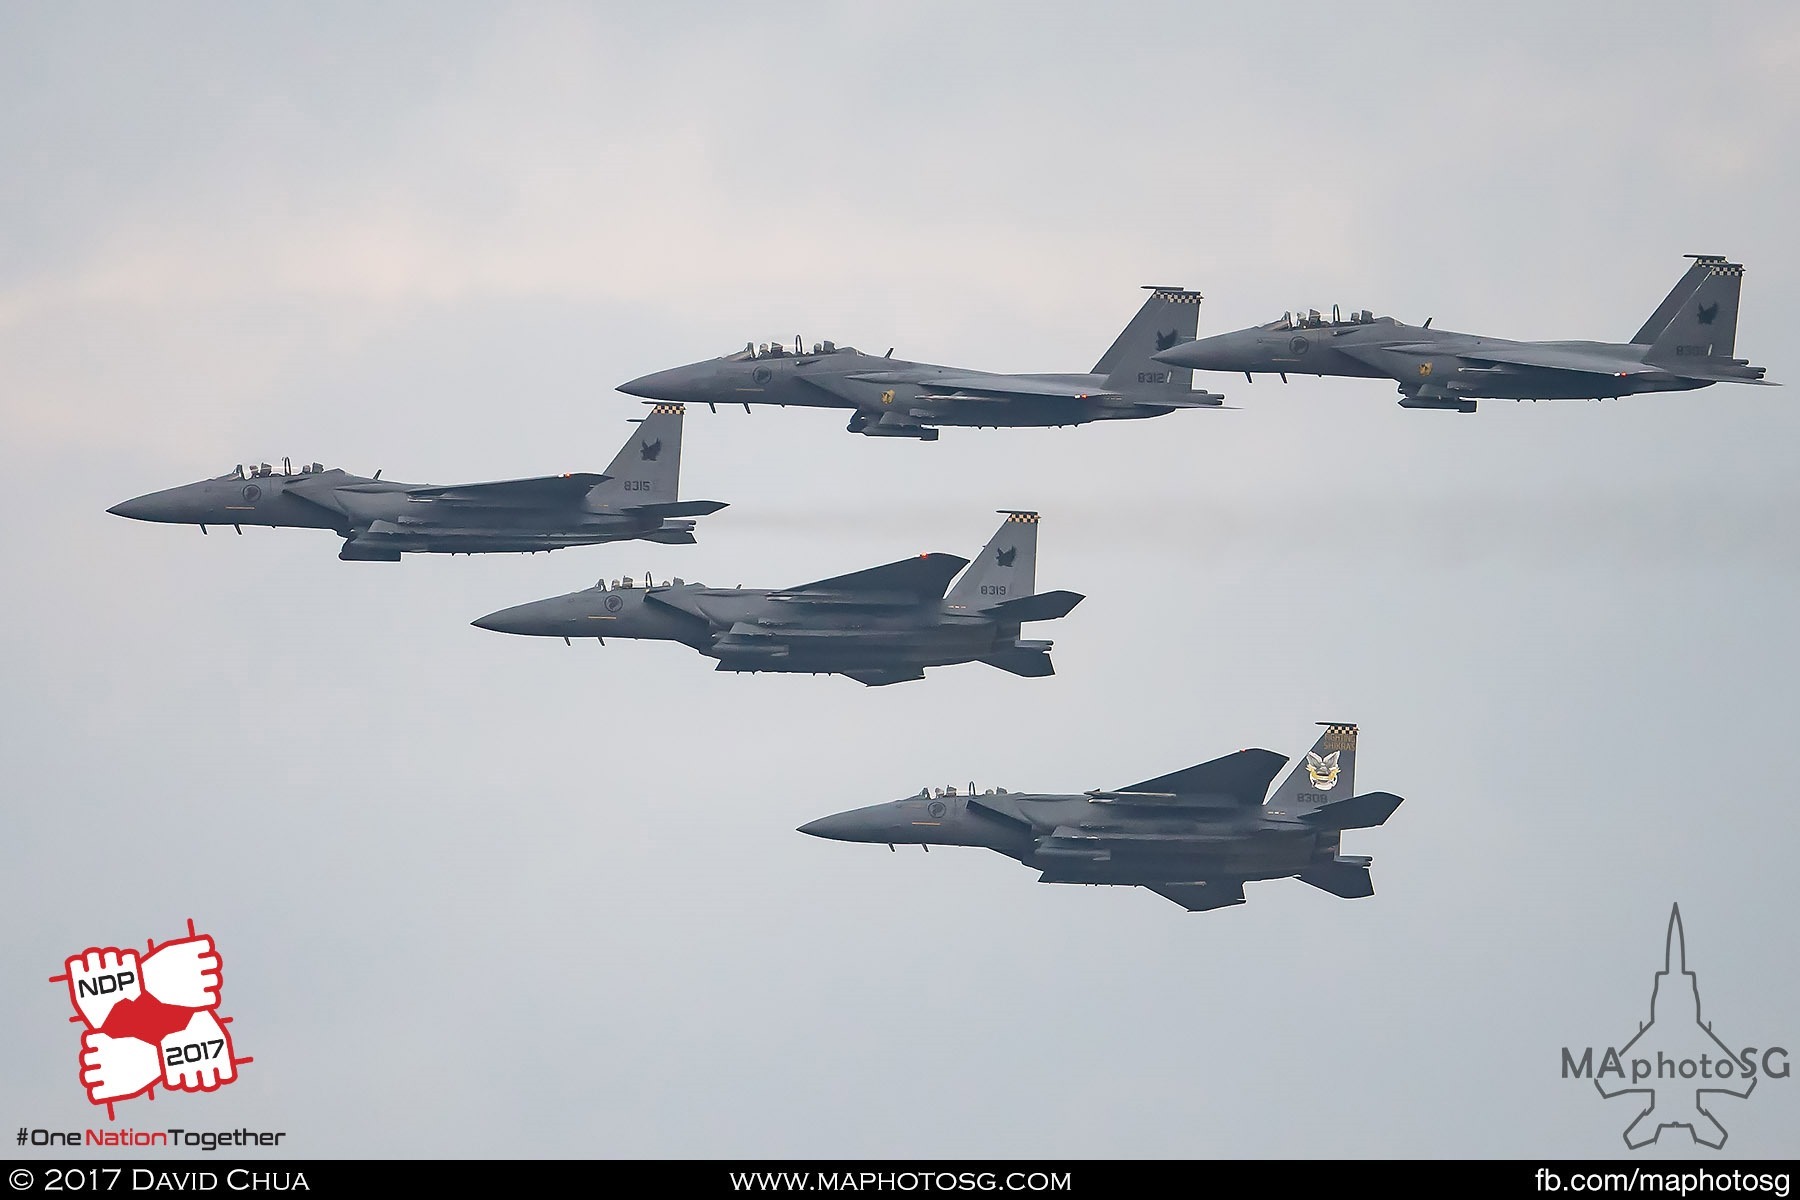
480, 895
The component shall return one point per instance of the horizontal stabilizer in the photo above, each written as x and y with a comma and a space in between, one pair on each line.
1348, 878
922, 578
1355, 812
1202, 897
1033, 664
546, 491
1045, 606
680, 535
676, 508
1243, 776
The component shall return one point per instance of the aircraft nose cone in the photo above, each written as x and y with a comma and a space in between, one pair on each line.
834, 827
677, 385
1208, 354
1188, 354
522, 618
144, 508
857, 825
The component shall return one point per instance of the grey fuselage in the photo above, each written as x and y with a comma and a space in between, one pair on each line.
381, 519
1192, 844
1687, 344
909, 392
759, 629
1426, 360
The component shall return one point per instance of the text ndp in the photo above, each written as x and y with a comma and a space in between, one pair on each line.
105, 985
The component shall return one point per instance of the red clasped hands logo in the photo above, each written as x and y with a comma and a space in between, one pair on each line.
150, 1019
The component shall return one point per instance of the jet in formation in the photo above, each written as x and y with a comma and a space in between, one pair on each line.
1687, 343
1194, 836
891, 397
379, 520
883, 625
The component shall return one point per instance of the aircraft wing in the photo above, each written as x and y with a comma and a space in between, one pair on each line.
1515, 354
1558, 358
1244, 776
1201, 897
909, 581
544, 491
977, 385
1000, 387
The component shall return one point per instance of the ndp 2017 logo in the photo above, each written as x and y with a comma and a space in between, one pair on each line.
150, 1019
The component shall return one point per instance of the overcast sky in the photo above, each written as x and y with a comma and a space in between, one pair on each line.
493, 896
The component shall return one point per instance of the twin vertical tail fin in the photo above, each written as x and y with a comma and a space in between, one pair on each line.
1698, 319
1169, 317
647, 469
1321, 791
1005, 570
1326, 774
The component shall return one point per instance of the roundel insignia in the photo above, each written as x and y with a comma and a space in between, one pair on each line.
614, 603
936, 808
252, 492
1298, 345
760, 375
1424, 369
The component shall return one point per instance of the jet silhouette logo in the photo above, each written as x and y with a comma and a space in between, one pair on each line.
1675, 1062
149, 1019
1165, 340
650, 450
1706, 312
1004, 558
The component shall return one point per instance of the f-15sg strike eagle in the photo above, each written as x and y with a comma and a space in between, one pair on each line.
883, 625
891, 397
634, 499
1194, 836
1687, 343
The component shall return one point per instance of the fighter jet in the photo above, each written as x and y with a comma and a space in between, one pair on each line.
1194, 836
1687, 343
380, 520
891, 397
878, 626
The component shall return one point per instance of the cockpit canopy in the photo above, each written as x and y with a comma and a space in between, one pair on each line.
626, 584
753, 351
926, 793
265, 471
1311, 319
